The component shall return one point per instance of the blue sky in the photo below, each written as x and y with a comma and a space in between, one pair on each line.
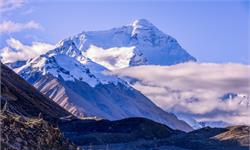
212, 31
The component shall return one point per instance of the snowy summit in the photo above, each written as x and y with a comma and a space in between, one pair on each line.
139, 43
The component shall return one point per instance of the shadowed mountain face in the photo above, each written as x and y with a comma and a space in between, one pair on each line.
24, 99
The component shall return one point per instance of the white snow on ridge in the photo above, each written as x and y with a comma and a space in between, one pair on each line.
70, 69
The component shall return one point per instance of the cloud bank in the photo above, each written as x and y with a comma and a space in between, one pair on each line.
111, 58
11, 27
18, 51
196, 90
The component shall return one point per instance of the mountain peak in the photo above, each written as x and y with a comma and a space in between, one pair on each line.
142, 23
138, 43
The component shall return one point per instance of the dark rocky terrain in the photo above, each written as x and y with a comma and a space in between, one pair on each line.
23, 133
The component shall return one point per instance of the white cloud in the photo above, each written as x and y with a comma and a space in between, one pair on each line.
195, 89
10, 27
8, 5
111, 58
18, 51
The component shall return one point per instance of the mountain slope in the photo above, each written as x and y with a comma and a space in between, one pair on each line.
24, 99
27, 117
135, 44
241, 134
84, 89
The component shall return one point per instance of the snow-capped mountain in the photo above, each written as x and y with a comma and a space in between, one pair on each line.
135, 44
84, 88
